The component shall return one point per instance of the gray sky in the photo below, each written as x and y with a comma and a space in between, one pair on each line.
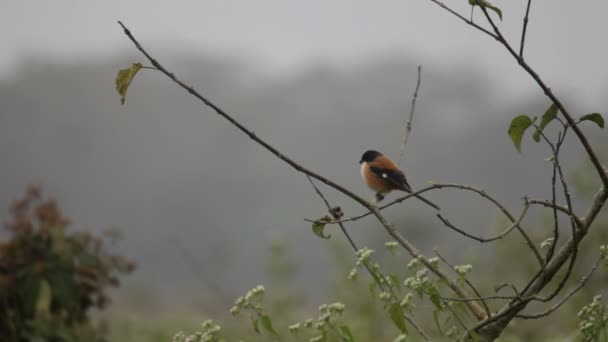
566, 38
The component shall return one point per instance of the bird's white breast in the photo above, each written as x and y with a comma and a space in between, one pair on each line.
363, 167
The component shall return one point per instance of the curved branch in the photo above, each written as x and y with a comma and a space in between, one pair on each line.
352, 243
556, 306
603, 174
412, 250
408, 123
494, 238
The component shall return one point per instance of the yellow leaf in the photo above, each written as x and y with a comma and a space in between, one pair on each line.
43, 303
124, 78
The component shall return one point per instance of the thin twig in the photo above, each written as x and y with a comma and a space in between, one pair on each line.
408, 123
329, 208
494, 238
560, 208
524, 29
566, 114
470, 22
502, 208
481, 299
556, 306
480, 192
354, 246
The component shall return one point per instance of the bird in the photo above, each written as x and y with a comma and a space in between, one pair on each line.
382, 175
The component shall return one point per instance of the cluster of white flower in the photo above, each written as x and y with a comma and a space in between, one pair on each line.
419, 281
593, 318
364, 255
252, 300
391, 246
415, 264
323, 323
463, 270
407, 302
210, 333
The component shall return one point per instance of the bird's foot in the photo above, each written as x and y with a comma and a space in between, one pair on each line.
379, 197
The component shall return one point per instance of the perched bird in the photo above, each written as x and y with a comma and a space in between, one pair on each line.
382, 175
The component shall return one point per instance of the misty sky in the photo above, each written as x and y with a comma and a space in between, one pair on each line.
285, 35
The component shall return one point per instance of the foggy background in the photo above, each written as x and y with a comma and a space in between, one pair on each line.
199, 202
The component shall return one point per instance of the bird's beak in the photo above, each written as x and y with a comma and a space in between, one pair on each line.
360, 161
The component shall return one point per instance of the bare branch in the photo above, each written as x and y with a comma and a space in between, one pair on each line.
558, 207
502, 208
352, 243
556, 306
494, 238
411, 249
524, 29
572, 123
470, 22
481, 299
408, 124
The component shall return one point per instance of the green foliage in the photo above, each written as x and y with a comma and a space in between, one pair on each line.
486, 4
319, 229
210, 332
594, 117
124, 78
518, 127
594, 321
549, 115
49, 278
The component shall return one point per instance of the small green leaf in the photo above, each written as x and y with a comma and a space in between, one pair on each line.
396, 281
124, 78
318, 229
63, 284
372, 289
595, 117
436, 318
518, 127
486, 4
549, 115
474, 335
396, 313
347, 334
436, 298
267, 324
28, 288
43, 303
256, 324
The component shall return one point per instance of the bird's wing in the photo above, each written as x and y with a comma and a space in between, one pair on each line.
394, 177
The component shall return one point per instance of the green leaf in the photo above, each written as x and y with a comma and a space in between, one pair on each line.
549, 115
396, 281
372, 289
28, 287
267, 324
43, 303
65, 289
595, 117
436, 298
396, 313
474, 335
318, 229
486, 4
256, 324
518, 127
436, 318
346, 333
124, 78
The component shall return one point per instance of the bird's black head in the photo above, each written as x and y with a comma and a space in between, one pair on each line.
369, 156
